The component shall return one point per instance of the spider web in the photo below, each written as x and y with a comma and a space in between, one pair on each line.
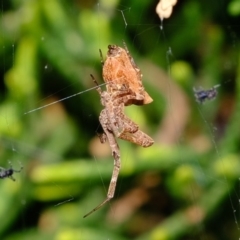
189, 171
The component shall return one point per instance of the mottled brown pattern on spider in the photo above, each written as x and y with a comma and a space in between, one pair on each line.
114, 120
120, 69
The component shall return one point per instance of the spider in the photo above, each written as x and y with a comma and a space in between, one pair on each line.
116, 124
119, 68
8, 172
124, 87
202, 95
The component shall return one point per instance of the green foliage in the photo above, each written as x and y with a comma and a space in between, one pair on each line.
179, 188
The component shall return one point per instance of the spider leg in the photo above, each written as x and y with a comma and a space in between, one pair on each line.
128, 125
112, 185
129, 55
117, 161
102, 137
101, 56
14, 170
140, 138
11, 177
124, 124
95, 81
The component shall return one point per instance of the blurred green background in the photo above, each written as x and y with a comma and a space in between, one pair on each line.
186, 186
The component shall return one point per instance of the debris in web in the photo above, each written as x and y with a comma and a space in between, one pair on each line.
8, 172
202, 95
164, 8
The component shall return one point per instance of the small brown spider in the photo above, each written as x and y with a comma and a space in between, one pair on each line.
121, 92
120, 69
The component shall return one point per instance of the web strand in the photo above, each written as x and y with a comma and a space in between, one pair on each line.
63, 99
